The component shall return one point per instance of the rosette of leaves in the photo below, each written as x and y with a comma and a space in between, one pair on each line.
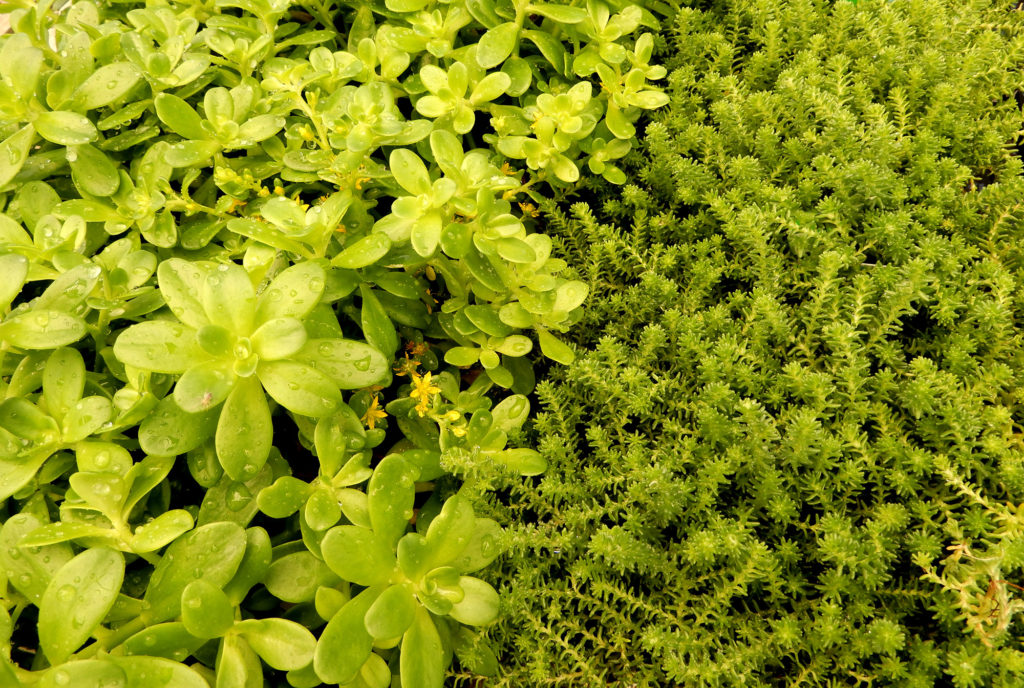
230, 345
413, 588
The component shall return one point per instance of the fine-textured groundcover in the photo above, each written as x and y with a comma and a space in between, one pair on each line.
789, 452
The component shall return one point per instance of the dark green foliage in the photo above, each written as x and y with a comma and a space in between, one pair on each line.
790, 451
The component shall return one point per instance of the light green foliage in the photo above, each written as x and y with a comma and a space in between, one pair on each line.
270, 282
789, 450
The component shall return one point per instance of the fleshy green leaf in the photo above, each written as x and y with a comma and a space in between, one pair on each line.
278, 338
205, 386
29, 571
161, 531
14, 152
483, 547
284, 497
296, 577
158, 345
497, 44
450, 531
65, 128
179, 116
282, 644
410, 172
76, 600
480, 604
420, 662
92, 171
364, 252
245, 432
63, 380
206, 610
349, 364
390, 495
392, 613
345, 643
229, 299
181, 283
300, 388
377, 326
358, 555
106, 85
293, 293
157, 672
168, 430
42, 329
555, 349
211, 552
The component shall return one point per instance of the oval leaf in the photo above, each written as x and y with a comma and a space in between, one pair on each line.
77, 599
358, 555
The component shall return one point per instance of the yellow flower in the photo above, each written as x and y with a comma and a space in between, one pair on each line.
373, 414
423, 391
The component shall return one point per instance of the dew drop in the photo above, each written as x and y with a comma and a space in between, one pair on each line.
362, 363
66, 593
61, 678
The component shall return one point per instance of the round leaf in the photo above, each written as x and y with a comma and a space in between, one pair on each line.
205, 610
283, 498
278, 338
479, 606
391, 614
293, 293
204, 386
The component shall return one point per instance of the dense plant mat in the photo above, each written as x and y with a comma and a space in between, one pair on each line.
270, 283
790, 451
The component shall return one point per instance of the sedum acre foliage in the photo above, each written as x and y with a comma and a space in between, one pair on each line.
270, 283
789, 452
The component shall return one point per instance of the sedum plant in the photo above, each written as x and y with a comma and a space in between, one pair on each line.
789, 451
270, 287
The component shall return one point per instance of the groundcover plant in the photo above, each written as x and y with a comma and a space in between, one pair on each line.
270, 283
789, 451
